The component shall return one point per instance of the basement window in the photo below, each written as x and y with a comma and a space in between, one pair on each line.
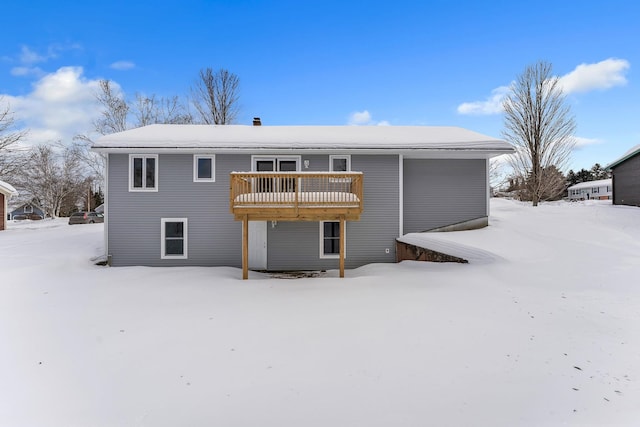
173, 238
330, 239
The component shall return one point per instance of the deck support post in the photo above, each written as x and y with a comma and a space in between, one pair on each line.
245, 247
342, 227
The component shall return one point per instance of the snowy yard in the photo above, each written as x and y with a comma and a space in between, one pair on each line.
543, 330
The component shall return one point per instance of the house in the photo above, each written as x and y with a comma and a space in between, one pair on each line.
6, 192
625, 173
590, 190
28, 210
287, 197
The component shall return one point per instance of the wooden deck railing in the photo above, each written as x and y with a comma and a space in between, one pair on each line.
296, 195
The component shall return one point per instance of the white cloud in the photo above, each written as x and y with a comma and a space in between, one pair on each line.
28, 56
583, 142
61, 105
492, 105
27, 71
584, 78
360, 118
122, 65
602, 75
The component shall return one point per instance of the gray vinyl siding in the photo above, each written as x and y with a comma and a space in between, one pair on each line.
317, 163
626, 182
440, 192
214, 238
296, 245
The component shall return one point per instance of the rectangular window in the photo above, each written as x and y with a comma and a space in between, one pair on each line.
174, 238
275, 164
143, 172
204, 168
340, 163
330, 239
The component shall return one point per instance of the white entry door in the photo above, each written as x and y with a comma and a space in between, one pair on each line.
258, 245
258, 229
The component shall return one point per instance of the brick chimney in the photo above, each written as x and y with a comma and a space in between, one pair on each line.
256, 121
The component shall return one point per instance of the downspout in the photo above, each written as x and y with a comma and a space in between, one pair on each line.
106, 208
488, 184
400, 195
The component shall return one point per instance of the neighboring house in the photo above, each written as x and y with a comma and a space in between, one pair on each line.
29, 210
6, 192
599, 190
625, 173
279, 197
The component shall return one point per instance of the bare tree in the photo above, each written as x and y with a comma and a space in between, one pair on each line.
151, 109
215, 96
146, 110
115, 110
497, 174
540, 126
93, 163
172, 111
10, 160
53, 173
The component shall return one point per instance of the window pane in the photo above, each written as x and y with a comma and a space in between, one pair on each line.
331, 229
173, 229
174, 247
264, 166
331, 243
151, 173
287, 165
137, 172
339, 165
204, 168
331, 246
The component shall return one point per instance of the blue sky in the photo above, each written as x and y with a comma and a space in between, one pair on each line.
329, 62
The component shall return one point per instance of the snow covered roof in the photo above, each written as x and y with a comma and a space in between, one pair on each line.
346, 138
591, 184
7, 189
632, 152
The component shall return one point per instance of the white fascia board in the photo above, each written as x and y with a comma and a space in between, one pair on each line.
407, 153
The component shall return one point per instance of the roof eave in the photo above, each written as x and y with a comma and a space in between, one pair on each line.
610, 166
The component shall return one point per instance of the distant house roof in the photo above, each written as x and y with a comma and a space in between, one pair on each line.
7, 189
591, 184
629, 154
235, 138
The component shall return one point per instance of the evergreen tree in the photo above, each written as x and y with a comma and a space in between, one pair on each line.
584, 175
597, 172
572, 179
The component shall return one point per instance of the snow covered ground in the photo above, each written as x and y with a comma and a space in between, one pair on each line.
541, 328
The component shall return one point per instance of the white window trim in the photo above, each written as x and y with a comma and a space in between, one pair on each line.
185, 229
331, 256
196, 157
28, 209
347, 157
144, 168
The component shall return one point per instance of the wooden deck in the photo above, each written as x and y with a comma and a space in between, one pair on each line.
295, 196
